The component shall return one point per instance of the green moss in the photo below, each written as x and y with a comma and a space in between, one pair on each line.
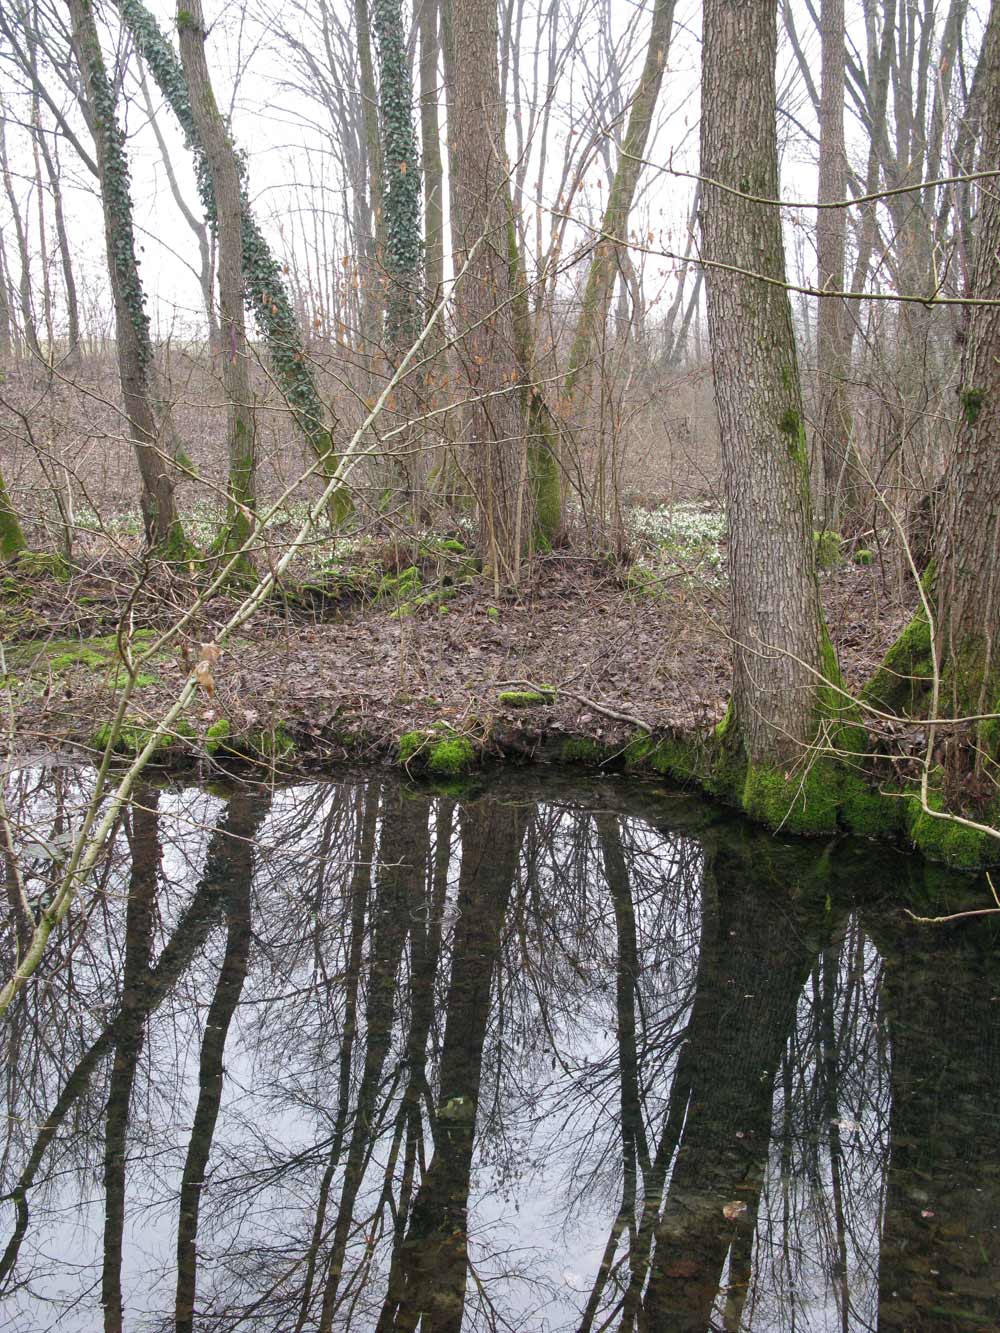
972, 404
864, 557
445, 757
790, 423
643, 582
452, 757
527, 698
399, 587
580, 750
901, 683
272, 743
867, 811
452, 545
216, 735
492, 613
948, 841
132, 738
410, 745
828, 547
803, 802
43, 564
680, 757
638, 749
60, 655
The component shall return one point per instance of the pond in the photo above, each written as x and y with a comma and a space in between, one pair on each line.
549, 1055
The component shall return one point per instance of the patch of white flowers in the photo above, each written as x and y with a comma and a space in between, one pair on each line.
685, 536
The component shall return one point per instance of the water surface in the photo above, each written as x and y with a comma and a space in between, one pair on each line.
584, 1056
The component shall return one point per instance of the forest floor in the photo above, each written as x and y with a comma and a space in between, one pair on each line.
376, 644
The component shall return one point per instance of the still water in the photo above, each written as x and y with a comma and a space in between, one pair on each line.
346, 1055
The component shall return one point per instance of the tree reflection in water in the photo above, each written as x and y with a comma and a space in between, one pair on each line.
351, 1056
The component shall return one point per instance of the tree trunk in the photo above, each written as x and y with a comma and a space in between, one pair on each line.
484, 297
430, 142
265, 291
12, 541
402, 178
135, 351
220, 157
206, 273
29, 333
834, 428
967, 540
777, 626
71, 360
612, 245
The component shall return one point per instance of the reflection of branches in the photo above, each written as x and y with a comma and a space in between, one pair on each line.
188, 937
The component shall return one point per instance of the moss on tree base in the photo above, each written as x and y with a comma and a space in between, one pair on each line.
831, 795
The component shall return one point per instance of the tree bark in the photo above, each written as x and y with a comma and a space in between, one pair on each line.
834, 427
401, 178
776, 623
135, 351
484, 298
265, 291
220, 157
967, 541
29, 332
611, 249
12, 540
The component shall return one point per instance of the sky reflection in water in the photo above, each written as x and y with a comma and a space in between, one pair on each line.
349, 1056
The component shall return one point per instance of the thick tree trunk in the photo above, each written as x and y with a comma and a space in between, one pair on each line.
967, 541
834, 428
220, 157
135, 351
484, 318
777, 626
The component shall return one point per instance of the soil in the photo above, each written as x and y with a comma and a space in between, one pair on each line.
345, 676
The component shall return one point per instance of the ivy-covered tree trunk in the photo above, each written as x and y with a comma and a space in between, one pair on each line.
220, 158
403, 276
135, 349
486, 341
401, 165
265, 293
777, 626
967, 540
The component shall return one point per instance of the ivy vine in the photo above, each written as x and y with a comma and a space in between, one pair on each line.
401, 167
264, 291
117, 189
